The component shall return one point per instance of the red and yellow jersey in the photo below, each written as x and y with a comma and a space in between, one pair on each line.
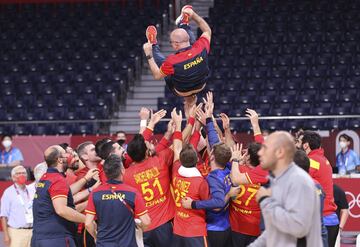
244, 210
321, 171
152, 178
189, 222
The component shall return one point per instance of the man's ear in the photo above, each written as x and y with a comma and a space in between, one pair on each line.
84, 157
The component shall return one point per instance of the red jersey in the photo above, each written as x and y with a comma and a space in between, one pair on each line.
244, 211
80, 174
70, 177
189, 222
321, 170
152, 178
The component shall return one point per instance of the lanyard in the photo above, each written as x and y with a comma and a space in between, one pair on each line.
20, 197
346, 157
3, 156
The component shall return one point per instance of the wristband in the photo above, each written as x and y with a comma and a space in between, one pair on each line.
193, 204
209, 120
257, 133
143, 123
191, 121
235, 160
177, 135
148, 57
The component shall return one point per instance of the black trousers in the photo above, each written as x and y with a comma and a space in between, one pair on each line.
332, 234
161, 236
84, 239
180, 241
241, 240
220, 238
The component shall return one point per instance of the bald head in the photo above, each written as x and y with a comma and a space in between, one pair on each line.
52, 154
282, 139
179, 38
279, 148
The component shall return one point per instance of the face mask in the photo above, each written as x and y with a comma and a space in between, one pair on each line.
342, 144
121, 142
7, 143
21, 179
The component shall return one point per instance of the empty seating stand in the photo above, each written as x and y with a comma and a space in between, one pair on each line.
69, 61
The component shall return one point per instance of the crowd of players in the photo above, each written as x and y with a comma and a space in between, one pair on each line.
197, 186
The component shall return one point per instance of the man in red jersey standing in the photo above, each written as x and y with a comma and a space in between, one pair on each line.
321, 171
150, 174
189, 225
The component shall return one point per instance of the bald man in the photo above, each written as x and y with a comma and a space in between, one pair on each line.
53, 207
186, 71
291, 207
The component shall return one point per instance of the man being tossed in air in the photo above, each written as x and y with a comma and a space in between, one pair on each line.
187, 70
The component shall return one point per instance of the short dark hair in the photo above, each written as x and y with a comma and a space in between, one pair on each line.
188, 156
113, 166
6, 135
64, 145
99, 144
253, 149
222, 154
120, 132
346, 137
302, 160
136, 148
81, 148
312, 138
52, 157
106, 150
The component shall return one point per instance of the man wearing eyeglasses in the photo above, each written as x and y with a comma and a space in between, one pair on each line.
187, 70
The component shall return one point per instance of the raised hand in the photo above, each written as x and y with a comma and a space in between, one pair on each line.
176, 117
253, 116
225, 121
144, 113
237, 154
157, 116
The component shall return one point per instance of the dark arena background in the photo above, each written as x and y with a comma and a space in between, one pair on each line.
75, 70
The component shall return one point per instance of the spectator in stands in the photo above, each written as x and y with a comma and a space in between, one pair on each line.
121, 138
115, 213
321, 171
347, 160
10, 156
342, 210
54, 209
291, 207
16, 210
186, 71
301, 159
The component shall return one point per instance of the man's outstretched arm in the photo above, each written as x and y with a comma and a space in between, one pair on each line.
155, 70
202, 24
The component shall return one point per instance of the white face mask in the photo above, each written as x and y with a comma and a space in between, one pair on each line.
342, 144
7, 143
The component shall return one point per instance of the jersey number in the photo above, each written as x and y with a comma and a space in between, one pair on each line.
148, 191
178, 196
252, 192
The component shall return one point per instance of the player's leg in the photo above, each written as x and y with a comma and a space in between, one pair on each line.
332, 234
163, 235
196, 242
183, 22
57, 242
218, 238
151, 35
240, 240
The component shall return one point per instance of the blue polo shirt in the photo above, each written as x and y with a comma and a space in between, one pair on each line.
47, 224
347, 161
115, 205
14, 154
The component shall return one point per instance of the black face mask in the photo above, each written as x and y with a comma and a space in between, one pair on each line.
121, 142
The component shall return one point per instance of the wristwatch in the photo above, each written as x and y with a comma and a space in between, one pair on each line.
149, 57
235, 160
